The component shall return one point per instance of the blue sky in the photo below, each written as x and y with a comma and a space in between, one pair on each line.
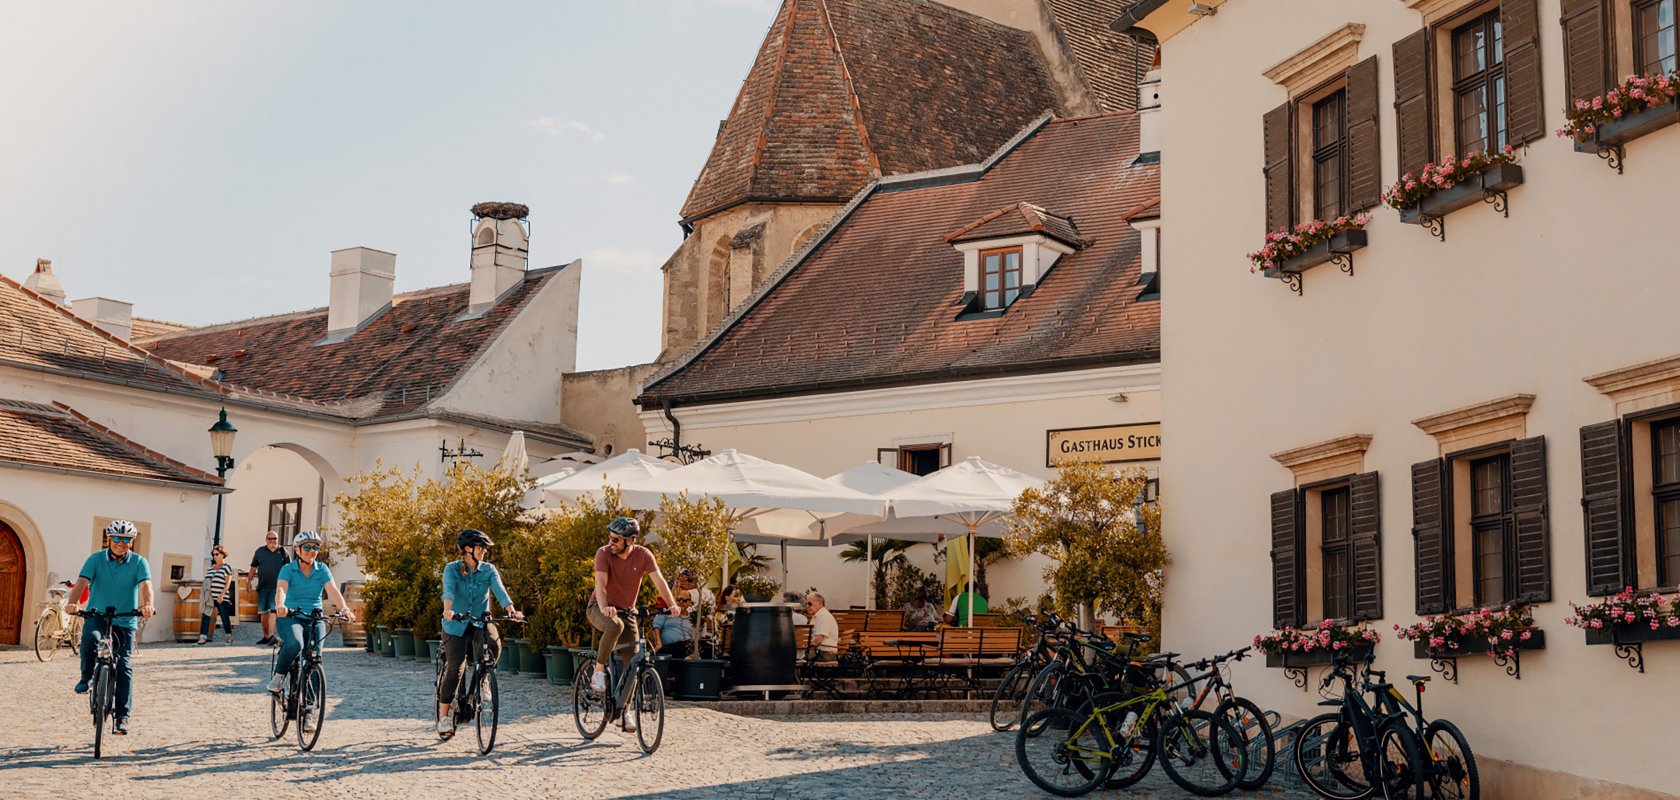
201, 159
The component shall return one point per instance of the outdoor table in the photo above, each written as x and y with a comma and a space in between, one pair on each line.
761, 649
914, 677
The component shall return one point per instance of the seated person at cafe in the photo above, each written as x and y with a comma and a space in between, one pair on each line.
825, 630
700, 595
958, 613
921, 615
672, 632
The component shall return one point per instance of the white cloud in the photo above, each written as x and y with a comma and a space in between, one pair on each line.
627, 262
556, 127
618, 179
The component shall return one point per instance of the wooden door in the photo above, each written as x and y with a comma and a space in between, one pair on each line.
13, 576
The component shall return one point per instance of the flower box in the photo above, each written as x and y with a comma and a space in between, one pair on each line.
1478, 646
1314, 658
1631, 634
1496, 179
1341, 244
1631, 126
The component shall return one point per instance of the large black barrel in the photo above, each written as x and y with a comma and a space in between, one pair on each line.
761, 650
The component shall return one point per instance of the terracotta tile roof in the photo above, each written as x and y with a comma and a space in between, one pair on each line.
874, 303
1020, 219
145, 328
1112, 63
1148, 210
57, 437
398, 363
844, 91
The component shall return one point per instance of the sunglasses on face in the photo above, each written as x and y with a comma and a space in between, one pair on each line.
273, 539
309, 548
121, 539
616, 539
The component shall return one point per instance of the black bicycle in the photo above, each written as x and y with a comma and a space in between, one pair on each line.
102, 696
303, 694
476, 696
1250, 722
1012, 689
637, 690
1359, 750
1449, 766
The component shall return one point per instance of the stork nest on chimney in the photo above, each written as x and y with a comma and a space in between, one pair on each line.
501, 210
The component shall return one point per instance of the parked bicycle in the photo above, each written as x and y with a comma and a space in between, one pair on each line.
1011, 691
1243, 714
477, 698
1359, 750
102, 695
303, 693
56, 627
1086, 664
1449, 766
637, 691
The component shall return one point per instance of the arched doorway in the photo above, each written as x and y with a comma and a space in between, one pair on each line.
14, 577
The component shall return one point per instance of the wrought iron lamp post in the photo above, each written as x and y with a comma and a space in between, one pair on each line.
221, 444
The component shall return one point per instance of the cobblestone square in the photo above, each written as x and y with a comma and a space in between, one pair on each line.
201, 728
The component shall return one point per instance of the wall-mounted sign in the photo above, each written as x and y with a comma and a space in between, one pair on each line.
1108, 444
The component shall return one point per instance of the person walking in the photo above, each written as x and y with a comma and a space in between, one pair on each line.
265, 576
115, 577
214, 596
619, 567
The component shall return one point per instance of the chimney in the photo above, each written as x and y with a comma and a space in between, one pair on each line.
499, 253
44, 283
361, 289
1149, 114
111, 316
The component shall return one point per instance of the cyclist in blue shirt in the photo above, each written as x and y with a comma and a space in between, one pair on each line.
467, 586
120, 578
299, 588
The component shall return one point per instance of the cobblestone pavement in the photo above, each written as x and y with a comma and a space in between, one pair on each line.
201, 728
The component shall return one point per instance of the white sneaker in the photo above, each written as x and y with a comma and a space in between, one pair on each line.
276, 683
308, 719
598, 682
629, 724
446, 725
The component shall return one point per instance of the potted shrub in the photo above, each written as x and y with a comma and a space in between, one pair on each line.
428, 630
1454, 183
1638, 105
758, 588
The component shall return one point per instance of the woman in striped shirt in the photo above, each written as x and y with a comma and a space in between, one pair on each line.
218, 580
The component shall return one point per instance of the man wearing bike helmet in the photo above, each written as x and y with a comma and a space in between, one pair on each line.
299, 588
619, 567
467, 586
115, 577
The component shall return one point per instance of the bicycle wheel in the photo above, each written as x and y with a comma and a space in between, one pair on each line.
100, 701
1399, 763
48, 635
1202, 753
1006, 700
1133, 755
73, 636
589, 707
649, 707
1326, 755
1040, 691
1452, 767
489, 711
1061, 752
312, 707
1256, 732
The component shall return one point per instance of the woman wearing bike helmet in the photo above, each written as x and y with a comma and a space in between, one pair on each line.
299, 588
467, 586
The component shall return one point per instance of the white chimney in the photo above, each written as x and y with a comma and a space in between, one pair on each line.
111, 316
1149, 112
44, 283
499, 254
361, 289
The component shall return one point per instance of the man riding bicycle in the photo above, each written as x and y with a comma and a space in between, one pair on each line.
619, 567
467, 586
299, 588
115, 577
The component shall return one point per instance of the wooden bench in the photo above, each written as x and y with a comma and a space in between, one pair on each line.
858, 620
965, 652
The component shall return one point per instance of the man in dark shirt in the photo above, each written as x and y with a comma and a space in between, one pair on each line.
265, 575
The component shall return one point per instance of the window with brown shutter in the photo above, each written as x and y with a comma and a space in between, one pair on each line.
1665, 499
1630, 497
1525, 112
1336, 557
1330, 156
1414, 137
1480, 521
1529, 518
1364, 150
1275, 145
1478, 71
1586, 48
1491, 534
1288, 610
1610, 551
1430, 543
1365, 518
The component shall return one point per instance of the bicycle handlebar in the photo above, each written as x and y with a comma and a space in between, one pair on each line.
109, 613
485, 617
314, 615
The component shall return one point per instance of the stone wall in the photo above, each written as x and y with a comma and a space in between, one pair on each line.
599, 402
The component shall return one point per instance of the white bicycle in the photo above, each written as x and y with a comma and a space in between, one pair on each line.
56, 627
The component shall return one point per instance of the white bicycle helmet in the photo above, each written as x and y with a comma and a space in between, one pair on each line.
306, 536
122, 527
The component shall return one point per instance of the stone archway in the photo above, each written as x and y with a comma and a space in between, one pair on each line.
14, 585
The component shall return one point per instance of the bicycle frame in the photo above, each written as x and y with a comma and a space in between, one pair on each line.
1099, 715
622, 685
1364, 719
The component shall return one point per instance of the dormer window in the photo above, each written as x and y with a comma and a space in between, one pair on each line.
1007, 253
1000, 277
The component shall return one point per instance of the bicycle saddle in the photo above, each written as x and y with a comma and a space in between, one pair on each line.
1418, 678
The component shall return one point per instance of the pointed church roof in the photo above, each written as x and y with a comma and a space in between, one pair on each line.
845, 91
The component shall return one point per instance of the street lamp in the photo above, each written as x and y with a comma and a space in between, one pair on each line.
221, 444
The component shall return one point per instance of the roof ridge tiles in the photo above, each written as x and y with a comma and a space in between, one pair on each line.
141, 449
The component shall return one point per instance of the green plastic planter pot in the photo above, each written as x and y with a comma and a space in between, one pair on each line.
387, 642
531, 662
405, 642
560, 665
508, 661
433, 647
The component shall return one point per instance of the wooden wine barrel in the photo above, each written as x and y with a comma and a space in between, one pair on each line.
355, 633
247, 603
187, 613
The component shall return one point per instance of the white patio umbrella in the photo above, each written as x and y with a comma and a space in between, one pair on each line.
627, 467
514, 457
972, 493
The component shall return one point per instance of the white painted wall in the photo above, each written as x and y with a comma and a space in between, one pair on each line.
519, 377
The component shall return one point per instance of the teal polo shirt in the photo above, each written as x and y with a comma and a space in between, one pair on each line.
470, 593
303, 592
116, 583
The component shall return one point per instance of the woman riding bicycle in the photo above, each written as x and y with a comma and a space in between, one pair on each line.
299, 588
467, 586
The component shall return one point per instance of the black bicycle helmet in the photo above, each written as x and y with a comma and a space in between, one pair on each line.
473, 537
626, 527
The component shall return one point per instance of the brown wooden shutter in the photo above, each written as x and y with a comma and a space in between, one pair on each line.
1611, 558
1429, 537
1288, 599
1586, 49
1367, 547
1413, 134
1364, 142
1525, 109
1528, 512
1275, 143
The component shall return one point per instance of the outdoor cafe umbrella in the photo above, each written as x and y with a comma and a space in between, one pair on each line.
626, 467
973, 492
